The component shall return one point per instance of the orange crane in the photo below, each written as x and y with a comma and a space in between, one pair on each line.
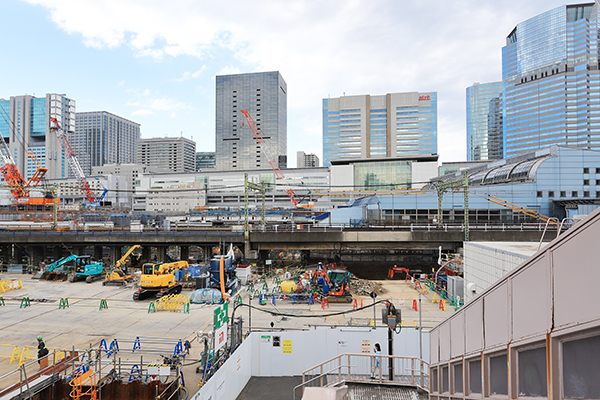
267, 153
19, 187
84, 185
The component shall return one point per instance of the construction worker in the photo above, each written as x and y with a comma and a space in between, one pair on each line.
42, 350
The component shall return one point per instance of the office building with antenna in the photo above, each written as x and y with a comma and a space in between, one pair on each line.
24, 124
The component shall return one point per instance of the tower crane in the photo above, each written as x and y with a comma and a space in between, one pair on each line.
19, 187
267, 153
84, 185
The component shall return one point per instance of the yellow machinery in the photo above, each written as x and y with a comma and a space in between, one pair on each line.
117, 276
159, 279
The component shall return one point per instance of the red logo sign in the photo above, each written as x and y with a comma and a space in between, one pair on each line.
424, 97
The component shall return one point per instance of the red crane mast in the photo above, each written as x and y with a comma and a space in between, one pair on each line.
267, 153
84, 185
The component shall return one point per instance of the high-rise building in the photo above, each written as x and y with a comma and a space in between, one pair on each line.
25, 126
304, 160
104, 138
391, 125
205, 159
484, 121
264, 96
551, 80
174, 154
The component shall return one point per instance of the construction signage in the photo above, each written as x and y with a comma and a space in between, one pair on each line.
221, 316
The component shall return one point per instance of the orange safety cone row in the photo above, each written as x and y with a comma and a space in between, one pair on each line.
415, 305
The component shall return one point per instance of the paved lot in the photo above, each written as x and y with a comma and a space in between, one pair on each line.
83, 323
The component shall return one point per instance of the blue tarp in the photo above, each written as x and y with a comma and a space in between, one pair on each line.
321, 217
363, 201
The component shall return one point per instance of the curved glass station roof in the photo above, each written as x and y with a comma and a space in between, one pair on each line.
520, 168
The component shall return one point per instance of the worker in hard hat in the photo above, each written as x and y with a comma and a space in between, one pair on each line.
42, 350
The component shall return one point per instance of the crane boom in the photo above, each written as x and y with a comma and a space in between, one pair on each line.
18, 185
84, 185
266, 152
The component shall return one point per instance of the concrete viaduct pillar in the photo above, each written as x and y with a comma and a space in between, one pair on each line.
184, 253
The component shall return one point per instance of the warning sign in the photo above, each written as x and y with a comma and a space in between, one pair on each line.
287, 346
365, 346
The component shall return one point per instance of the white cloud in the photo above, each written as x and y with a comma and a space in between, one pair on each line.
190, 75
320, 48
147, 103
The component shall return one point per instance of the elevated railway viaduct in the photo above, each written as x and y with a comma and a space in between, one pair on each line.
35, 246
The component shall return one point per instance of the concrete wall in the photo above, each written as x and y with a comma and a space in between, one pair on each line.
534, 333
485, 263
258, 357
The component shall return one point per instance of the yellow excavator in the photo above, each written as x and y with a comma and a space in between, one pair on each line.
159, 279
116, 276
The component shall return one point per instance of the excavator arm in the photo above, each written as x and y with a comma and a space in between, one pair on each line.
120, 262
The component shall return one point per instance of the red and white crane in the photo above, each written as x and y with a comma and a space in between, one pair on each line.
84, 185
17, 184
264, 148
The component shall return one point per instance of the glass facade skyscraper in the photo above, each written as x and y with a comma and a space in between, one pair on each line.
25, 126
104, 138
551, 80
391, 125
484, 122
264, 96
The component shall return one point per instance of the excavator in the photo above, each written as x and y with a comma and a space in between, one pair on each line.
116, 276
394, 269
159, 279
56, 270
337, 282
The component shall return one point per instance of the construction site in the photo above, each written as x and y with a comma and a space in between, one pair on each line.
101, 340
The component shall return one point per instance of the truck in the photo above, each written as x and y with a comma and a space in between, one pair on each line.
158, 279
84, 268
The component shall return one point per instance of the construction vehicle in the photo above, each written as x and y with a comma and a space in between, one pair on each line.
83, 268
56, 270
159, 279
334, 284
396, 269
117, 276
223, 274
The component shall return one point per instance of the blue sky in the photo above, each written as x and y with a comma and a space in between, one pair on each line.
154, 62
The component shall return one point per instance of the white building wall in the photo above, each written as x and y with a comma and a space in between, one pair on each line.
423, 172
486, 263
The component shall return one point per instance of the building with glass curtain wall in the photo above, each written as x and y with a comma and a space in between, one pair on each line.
104, 138
484, 121
551, 80
264, 96
25, 125
391, 125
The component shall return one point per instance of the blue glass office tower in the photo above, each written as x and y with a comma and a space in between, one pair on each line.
390, 125
551, 80
24, 124
484, 122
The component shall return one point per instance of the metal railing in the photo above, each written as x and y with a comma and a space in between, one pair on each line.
356, 367
299, 227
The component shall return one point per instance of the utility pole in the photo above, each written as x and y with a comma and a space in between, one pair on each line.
261, 189
442, 187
